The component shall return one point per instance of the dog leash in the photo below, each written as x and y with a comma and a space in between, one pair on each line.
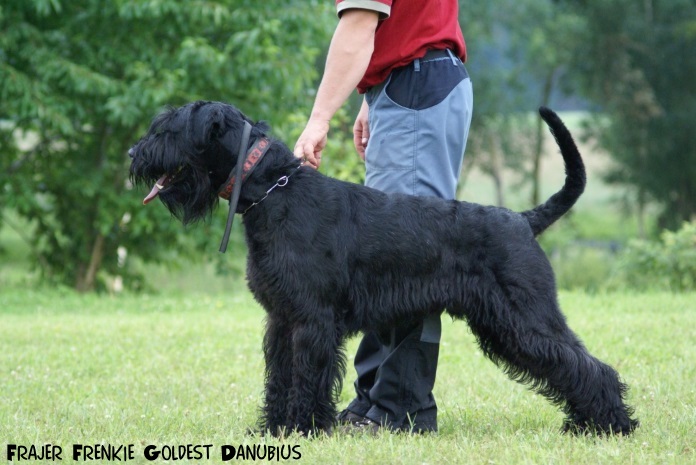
282, 182
237, 186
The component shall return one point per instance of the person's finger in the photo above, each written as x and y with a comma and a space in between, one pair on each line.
312, 158
365, 140
304, 150
361, 135
357, 141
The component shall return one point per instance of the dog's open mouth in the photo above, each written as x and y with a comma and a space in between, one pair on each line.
161, 183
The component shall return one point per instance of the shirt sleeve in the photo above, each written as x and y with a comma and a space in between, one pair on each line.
383, 7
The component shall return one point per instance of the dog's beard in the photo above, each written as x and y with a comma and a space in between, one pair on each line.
189, 196
186, 191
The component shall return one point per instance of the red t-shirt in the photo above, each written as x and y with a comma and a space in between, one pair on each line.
406, 31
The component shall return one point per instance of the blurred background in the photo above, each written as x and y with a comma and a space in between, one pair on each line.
80, 81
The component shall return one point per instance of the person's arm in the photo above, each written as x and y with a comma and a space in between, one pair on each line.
349, 55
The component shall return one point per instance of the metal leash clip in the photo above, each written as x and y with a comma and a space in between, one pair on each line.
281, 182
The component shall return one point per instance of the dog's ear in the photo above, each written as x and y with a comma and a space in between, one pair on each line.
215, 123
206, 123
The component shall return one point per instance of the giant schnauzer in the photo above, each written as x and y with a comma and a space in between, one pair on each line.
328, 259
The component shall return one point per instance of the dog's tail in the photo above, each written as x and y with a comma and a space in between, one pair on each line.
558, 204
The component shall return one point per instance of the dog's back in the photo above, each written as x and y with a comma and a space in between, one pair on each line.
544, 215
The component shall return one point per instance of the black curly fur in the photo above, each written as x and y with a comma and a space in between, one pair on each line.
328, 259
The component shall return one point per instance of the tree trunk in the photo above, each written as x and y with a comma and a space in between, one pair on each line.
87, 279
539, 148
496, 173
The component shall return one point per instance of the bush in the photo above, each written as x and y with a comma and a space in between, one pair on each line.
584, 245
581, 267
666, 264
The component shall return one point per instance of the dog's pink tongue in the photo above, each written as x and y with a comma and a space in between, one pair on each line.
155, 190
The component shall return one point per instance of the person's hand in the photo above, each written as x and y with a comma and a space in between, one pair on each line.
361, 130
312, 141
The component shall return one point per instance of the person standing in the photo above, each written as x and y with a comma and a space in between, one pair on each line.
406, 58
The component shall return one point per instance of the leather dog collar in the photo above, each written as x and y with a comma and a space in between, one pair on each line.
253, 156
246, 162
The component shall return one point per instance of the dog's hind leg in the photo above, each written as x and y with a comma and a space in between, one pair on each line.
318, 366
536, 347
277, 348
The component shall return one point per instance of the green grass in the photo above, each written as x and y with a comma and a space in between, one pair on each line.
187, 368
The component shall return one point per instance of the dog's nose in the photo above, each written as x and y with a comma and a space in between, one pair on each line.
131, 152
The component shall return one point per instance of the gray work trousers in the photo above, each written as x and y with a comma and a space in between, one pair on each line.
419, 122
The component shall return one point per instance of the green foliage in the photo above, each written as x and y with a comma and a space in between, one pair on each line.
639, 71
80, 80
666, 264
583, 245
583, 268
514, 71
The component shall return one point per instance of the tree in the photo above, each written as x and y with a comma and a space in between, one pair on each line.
540, 42
490, 146
79, 80
636, 61
518, 50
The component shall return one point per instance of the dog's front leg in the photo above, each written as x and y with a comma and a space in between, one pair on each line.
317, 368
277, 348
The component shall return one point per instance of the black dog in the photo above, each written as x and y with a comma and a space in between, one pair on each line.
329, 258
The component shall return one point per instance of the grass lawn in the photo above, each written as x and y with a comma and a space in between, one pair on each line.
187, 369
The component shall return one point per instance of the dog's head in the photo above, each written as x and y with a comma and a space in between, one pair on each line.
187, 155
